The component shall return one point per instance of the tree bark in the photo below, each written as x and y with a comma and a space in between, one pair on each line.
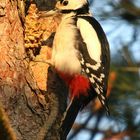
34, 105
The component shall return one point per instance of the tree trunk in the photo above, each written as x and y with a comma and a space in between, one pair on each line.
33, 98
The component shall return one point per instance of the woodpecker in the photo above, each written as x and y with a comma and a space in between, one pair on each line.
81, 54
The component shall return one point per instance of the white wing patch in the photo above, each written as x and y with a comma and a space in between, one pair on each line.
90, 37
95, 67
100, 79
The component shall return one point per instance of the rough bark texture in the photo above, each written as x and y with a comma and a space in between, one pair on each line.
23, 93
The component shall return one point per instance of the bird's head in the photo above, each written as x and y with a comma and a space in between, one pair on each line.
71, 4
68, 6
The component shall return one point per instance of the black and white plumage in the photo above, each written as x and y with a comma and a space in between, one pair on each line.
81, 52
95, 64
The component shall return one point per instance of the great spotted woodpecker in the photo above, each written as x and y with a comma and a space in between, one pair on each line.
81, 53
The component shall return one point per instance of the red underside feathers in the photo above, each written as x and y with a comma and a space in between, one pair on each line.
78, 84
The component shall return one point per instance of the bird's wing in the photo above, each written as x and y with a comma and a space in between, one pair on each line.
95, 56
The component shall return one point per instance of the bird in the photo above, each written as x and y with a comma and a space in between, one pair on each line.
81, 57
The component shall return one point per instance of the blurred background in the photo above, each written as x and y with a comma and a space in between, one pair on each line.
120, 20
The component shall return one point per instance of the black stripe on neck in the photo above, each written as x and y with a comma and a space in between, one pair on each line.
83, 10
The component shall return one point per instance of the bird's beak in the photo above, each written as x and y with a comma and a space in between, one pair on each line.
50, 13
53, 12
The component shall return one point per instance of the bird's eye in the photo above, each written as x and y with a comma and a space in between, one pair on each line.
65, 3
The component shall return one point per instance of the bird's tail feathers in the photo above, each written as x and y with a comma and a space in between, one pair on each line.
103, 101
69, 117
